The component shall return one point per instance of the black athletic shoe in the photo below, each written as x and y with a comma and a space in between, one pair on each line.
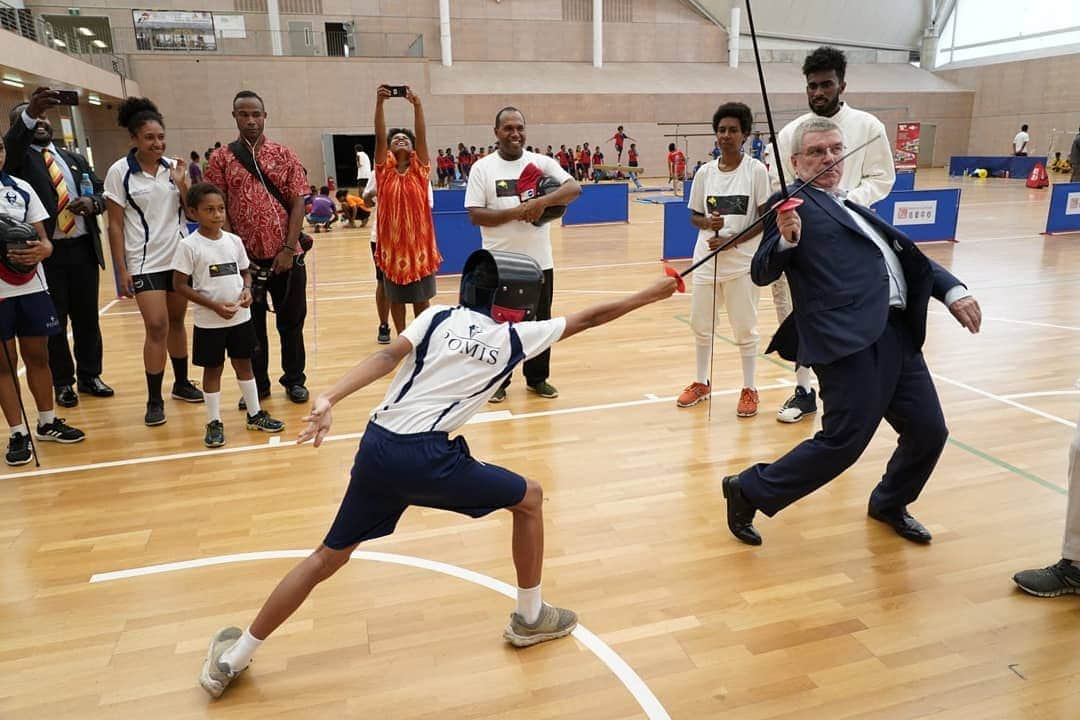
155, 413
384, 335
798, 406
187, 392
262, 421
59, 431
215, 434
1062, 578
298, 394
18, 450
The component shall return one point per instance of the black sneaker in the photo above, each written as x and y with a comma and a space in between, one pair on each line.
262, 421
18, 450
798, 406
155, 413
384, 335
298, 394
215, 434
187, 392
1062, 578
263, 394
59, 431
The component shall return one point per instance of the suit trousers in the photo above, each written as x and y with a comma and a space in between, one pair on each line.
890, 380
1071, 547
288, 292
73, 275
538, 369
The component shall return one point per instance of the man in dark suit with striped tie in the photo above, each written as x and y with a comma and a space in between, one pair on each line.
74, 269
860, 289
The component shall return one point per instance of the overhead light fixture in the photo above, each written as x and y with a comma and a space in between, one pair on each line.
13, 82
98, 43
85, 31
59, 43
94, 100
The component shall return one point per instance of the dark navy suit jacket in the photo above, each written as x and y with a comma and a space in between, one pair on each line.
29, 165
839, 281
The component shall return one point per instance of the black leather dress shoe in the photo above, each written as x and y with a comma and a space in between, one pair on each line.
94, 386
740, 513
901, 521
298, 394
66, 397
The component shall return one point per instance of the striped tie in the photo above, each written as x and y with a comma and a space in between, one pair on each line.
65, 220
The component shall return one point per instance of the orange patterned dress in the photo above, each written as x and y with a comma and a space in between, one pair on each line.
406, 251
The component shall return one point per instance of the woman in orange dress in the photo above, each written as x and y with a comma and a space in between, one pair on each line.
405, 251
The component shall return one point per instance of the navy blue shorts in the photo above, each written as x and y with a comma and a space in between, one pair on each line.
32, 315
392, 472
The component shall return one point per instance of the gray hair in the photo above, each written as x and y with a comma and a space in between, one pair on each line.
812, 125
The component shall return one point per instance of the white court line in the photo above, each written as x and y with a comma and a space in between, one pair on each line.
626, 675
1048, 393
1005, 400
494, 416
1016, 322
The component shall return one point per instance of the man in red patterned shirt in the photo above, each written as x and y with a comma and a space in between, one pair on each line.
270, 233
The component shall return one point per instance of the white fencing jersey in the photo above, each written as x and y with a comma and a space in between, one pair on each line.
459, 359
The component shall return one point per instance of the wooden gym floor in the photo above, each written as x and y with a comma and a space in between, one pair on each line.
834, 617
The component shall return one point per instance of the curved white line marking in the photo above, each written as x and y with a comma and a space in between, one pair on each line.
626, 675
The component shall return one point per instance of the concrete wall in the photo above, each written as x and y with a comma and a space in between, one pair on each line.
1043, 94
564, 103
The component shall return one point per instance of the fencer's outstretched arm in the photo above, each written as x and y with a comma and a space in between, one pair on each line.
366, 372
606, 312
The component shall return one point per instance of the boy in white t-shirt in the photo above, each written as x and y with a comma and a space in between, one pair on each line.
727, 195
216, 264
454, 359
27, 313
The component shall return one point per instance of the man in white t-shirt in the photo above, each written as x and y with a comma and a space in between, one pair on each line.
454, 358
1020, 142
728, 194
868, 177
27, 313
508, 223
363, 168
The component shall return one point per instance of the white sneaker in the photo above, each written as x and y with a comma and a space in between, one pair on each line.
216, 675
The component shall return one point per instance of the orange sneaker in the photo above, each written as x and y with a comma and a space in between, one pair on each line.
693, 394
748, 402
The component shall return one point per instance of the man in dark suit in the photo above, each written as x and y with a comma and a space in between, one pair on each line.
73, 270
860, 290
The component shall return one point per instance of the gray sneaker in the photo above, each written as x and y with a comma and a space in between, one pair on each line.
498, 396
216, 675
553, 623
1062, 578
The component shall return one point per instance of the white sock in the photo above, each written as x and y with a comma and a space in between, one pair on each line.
704, 355
802, 377
46, 416
250, 390
749, 366
19, 429
239, 655
213, 405
529, 603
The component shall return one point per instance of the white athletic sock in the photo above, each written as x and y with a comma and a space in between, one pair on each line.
213, 405
802, 377
239, 655
250, 391
46, 416
19, 429
704, 355
529, 603
749, 366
